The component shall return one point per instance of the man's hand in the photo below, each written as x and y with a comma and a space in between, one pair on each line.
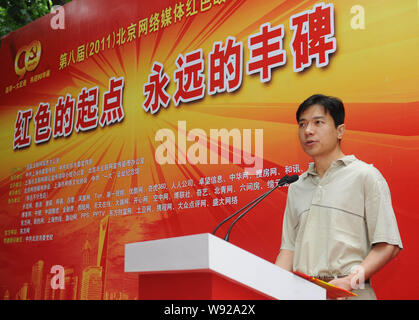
380, 254
344, 283
285, 259
347, 283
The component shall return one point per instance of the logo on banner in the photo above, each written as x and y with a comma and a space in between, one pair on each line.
27, 58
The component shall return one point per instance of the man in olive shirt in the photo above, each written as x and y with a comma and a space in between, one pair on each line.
339, 223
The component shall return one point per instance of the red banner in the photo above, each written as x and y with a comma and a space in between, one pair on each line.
136, 120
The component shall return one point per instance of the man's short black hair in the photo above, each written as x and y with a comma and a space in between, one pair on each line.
331, 105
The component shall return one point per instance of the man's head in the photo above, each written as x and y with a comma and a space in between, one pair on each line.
331, 105
321, 125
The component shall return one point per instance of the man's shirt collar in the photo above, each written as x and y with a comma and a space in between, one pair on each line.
346, 160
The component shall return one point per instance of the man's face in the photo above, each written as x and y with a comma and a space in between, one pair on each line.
317, 132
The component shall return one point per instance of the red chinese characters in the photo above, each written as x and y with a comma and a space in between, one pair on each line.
42, 123
266, 51
155, 91
82, 116
87, 110
64, 116
189, 78
313, 37
112, 102
21, 138
225, 67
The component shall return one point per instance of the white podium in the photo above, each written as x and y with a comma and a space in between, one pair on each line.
203, 266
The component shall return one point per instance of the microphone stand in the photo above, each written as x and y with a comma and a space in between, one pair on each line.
283, 181
257, 200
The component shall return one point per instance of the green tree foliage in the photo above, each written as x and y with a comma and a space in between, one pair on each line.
17, 13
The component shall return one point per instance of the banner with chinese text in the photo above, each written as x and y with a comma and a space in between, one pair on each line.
136, 120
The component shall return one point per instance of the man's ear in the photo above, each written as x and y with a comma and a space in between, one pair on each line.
341, 130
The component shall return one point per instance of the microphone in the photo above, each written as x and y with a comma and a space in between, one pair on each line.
292, 178
284, 180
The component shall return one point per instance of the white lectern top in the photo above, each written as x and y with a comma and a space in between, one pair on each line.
205, 251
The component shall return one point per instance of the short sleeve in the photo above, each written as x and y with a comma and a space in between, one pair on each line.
289, 224
379, 213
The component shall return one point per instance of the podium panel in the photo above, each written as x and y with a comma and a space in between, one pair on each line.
195, 285
203, 266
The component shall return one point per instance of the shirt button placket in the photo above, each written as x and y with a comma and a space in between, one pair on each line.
319, 194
